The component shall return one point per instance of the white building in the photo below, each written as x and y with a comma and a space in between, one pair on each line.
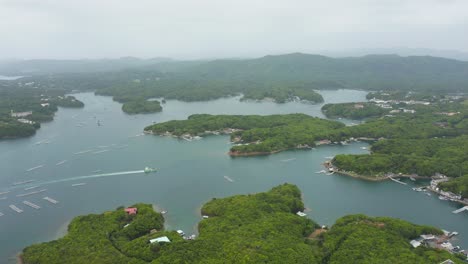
20, 114
163, 239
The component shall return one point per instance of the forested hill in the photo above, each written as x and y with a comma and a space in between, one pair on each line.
371, 72
255, 228
34, 67
368, 72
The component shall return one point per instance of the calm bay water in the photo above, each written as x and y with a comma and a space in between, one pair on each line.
190, 173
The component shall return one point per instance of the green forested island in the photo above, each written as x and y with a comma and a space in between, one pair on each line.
430, 140
280, 78
411, 156
353, 110
256, 134
255, 228
23, 109
142, 107
267, 134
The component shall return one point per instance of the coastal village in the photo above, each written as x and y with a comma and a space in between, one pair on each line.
442, 242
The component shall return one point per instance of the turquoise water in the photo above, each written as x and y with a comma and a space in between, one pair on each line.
109, 159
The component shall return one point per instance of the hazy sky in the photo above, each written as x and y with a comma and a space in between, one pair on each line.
220, 28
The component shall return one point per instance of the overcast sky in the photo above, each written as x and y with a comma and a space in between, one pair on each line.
221, 28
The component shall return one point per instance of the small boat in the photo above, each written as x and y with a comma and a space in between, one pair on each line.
443, 198
149, 170
78, 184
428, 194
412, 178
322, 171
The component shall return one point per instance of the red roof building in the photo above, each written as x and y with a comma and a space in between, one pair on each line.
131, 210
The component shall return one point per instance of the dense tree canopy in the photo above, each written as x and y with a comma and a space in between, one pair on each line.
141, 107
255, 228
353, 110
264, 133
458, 185
42, 103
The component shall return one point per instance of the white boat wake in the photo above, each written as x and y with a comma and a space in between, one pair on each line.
83, 177
94, 176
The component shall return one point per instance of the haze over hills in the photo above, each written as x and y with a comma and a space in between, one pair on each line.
32, 67
370, 72
367, 72
402, 51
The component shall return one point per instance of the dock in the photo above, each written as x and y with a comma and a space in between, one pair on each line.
101, 151
31, 193
22, 182
30, 188
50, 200
228, 179
16, 209
61, 162
460, 210
35, 168
35, 206
397, 181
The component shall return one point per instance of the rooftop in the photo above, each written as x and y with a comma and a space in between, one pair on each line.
163, 239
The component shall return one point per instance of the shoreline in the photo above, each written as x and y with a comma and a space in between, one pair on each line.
248, 154
440, 193
336, 170
329, 164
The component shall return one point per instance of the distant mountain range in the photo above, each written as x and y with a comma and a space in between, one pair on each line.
370, 72
31, 67
448, 54
367, 72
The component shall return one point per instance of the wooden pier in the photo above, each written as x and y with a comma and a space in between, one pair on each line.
397, 181
35, 206
16, 209
31, 193
460, 210
50, 200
